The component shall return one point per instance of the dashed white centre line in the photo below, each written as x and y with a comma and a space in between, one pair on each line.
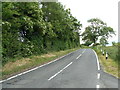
98, 76
80, 54
97, 86
59, 71
34, 68
83, 51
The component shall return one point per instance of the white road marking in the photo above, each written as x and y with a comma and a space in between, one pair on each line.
35, 68
59, 71
83, 51
80, 54
98, 76
97, 60
97, 86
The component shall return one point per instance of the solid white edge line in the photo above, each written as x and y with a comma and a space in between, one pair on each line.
98, 64
98, 76
35, 68
59, 71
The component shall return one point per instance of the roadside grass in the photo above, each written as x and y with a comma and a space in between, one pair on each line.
112, 52
111, 64
20, 65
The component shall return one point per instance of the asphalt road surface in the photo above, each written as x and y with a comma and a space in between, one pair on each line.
79, 69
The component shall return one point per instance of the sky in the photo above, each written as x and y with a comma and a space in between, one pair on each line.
106, 10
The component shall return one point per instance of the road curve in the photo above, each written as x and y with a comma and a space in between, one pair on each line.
76, 70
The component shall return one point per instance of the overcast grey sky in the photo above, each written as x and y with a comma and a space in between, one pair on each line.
106, 10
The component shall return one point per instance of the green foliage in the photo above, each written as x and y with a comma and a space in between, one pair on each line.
87, 43
118, 56
28, 29
113, 52
97, 30
113, 43
103, 41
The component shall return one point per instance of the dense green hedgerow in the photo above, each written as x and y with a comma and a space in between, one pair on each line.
30, 28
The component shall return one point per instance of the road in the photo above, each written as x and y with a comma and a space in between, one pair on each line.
79, 69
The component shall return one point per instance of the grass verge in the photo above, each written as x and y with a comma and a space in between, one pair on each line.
21, 65
109, 65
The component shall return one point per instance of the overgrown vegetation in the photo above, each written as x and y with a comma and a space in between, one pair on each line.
111, 65
112, 52
32, 28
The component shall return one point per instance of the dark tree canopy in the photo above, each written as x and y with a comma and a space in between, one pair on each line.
30, 28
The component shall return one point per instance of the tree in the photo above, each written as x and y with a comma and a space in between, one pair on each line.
21, 22
103, 41
63, 25
97, 30
113, 43
28, 29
